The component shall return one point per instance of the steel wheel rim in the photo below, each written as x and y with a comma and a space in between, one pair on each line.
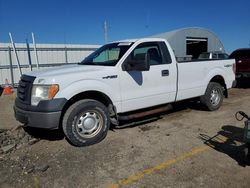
215, 97
88, 124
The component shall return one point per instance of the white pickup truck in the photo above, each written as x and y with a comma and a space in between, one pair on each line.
119, 81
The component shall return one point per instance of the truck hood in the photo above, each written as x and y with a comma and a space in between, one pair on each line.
66, 70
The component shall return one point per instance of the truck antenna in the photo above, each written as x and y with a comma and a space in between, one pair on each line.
105, 28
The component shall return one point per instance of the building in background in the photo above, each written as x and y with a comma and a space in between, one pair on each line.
189, 43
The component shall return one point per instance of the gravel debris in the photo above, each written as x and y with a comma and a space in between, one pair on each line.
16, 138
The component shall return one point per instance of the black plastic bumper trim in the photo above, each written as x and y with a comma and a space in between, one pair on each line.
46, 120
53, 105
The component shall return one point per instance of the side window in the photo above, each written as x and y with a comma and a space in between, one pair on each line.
240, 54
151, 49
214, 56
222, 56
245, 54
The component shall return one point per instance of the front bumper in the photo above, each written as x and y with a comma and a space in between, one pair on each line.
46, 120
46, 115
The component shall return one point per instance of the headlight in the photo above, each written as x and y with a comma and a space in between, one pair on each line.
43, 92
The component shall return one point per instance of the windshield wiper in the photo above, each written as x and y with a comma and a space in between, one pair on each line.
86, 63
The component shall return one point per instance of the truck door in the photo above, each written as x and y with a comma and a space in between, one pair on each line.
141, 89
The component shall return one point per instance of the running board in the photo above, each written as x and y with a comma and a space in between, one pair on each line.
145, 113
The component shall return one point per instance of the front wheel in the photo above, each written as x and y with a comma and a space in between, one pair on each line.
213, 97
86, 122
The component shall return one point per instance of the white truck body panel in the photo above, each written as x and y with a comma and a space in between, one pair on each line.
194, 76
147, 88
141, 89
75, 79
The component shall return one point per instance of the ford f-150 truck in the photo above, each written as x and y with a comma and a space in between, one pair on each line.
119, 81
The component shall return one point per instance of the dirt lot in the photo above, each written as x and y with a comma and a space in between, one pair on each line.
185, 148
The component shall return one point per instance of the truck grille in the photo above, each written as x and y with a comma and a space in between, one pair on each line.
25, 88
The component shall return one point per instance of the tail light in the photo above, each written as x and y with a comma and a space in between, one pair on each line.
234, 68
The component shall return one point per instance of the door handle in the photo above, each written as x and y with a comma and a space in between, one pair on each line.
165, 73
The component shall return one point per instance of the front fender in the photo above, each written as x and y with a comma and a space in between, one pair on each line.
111, 89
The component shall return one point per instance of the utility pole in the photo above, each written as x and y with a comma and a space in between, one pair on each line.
105, 28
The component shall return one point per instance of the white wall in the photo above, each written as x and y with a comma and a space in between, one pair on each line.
49, 54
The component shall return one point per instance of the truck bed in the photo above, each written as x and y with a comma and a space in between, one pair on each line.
193, 76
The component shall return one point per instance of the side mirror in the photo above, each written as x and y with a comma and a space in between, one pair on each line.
139, 63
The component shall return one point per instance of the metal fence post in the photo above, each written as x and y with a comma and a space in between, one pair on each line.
28, 53
66, 55
11, 68
14, 49
35, 50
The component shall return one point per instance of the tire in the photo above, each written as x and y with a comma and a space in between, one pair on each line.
213, 97
247, 155
86, 122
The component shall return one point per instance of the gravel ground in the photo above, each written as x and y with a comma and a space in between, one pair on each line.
185, 148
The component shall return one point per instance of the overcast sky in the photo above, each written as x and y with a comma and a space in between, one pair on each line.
81, 21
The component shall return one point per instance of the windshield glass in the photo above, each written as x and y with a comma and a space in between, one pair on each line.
107, 55
240, 54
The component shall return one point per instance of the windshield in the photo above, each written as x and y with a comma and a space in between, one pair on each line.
240, 54
107, 55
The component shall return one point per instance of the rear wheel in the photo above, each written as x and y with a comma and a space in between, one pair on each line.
213, 97
247, 154
86, 122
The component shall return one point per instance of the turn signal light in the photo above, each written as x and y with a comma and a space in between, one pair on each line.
53, 91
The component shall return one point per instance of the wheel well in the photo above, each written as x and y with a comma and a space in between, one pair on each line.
95, 95
219, 79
